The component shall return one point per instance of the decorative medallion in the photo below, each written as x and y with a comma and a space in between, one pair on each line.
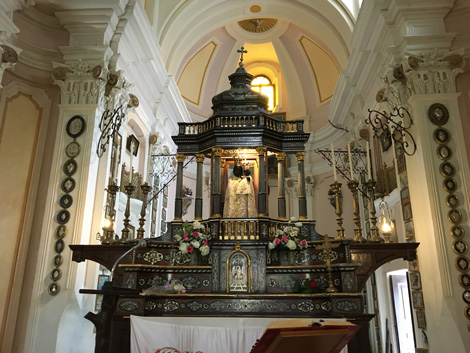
72, 150
462, 263
63, 216
53, 288
441, 136
58, 260
452, 201
152, 257
450, 185
460, 247
65, 201
129, 305
75, 126
70, 167
56, 274
447, 169
67, 185
61, 231
59, 246
467, 312
457, 232
454, 216
466, 296
257, 25
444, 152
464, 280
438, 114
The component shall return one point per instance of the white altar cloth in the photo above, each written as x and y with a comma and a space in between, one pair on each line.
198, 335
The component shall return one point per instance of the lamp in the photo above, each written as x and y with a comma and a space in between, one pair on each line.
386, 224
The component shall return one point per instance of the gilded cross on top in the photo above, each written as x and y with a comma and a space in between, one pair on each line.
241, 51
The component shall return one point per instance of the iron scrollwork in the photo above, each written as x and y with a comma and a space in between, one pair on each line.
399, 122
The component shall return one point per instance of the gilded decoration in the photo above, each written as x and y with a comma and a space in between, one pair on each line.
300, 156
257, 25
180, 157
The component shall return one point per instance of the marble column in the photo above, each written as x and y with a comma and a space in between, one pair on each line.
216, 185
198, 205
281, 199
180, 157
301, 178
262, 197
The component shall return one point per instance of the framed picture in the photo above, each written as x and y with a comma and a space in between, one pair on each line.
272, 166
102, 279
164, 214
420, 319
403, 179
415, 280
399, 150
409, 229
401, 164
417, 299
116, 156
413, 265
386, 140
131, 231
405, 196
407, 212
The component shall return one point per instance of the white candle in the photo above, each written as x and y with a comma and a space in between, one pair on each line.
350, 162
130, 169
116, 166
369, 173
334, 161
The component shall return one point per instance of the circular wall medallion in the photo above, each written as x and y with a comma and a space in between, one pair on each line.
441, 135
67, 185
61, 231
70, 167
457, 232
444, 152
454, 216
72, 150
466, 296
467, 312
63, 216
59, 246
462, 263
460, 247
53, 288
464, 280
56, 274
65, 201
75, 126
58, 260
452, 201
450, 185
447, 169
438, 114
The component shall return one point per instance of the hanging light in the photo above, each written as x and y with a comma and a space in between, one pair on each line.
386, 224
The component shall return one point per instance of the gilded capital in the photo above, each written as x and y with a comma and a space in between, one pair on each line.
217, 151
281, 156
180, 157
300, 155
261, 150
200, 157
222, 163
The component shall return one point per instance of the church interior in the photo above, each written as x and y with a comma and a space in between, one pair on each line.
207, 163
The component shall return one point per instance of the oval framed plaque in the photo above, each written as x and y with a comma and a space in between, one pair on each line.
72, 150
56, 273
70, 167
464, 280
460, 247
462, 263
444, 152
61, 231
75, 126
450, 185
457, 232
438, 114
65, 201
452, 201
58, 260
63, 216
53, 288
454, 216
59, 246
68, 184
447, 169
441, 136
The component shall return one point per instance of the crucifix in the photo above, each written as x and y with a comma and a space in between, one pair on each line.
326, 247
241, 51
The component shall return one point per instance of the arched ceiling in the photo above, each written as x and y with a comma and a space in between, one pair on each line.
302, 46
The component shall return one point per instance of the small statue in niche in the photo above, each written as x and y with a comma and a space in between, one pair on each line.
240, 196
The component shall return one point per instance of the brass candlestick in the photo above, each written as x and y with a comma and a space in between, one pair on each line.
326, 247
125, 232
145, 190
375, 238
352, 185
336, 187
108, 230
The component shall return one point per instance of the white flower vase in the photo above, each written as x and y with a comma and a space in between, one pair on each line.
186, 203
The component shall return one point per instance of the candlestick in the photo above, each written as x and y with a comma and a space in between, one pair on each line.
369, 173
350, 162
334, 161
130, 171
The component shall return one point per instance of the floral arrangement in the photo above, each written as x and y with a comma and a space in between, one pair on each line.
289, 237
192, 239
170, 287
186, 191
308, 287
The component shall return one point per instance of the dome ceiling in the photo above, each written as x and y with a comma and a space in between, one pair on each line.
300, 47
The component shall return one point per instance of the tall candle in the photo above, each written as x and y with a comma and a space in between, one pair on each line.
350, 161
369, 173
130, 171
334, 161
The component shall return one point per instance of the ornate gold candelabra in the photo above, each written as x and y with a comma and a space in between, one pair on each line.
108, 230
336, 187
326, 247
125, 232
375, 238
145, 190
352, 185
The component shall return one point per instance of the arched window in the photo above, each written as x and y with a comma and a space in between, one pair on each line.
263, 84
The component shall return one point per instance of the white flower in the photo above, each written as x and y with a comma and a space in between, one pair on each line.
292, 219
271, 245
280, 231
197, 225
204, 250
178, 237
195, 244
286, 229
298, 224
291, 244
184, 248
